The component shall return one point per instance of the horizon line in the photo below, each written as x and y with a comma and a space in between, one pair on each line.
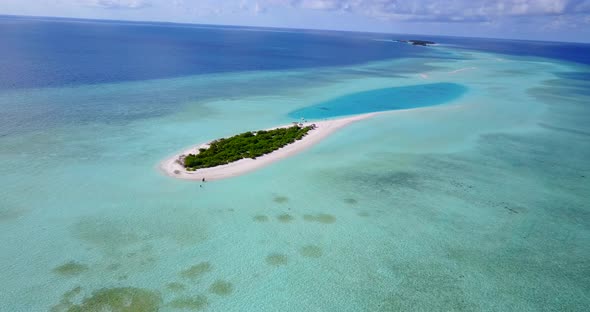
107, 20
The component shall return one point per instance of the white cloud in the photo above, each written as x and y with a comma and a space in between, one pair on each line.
540, 18
321, 4
534, 7
119, 4
434, 10
424, 10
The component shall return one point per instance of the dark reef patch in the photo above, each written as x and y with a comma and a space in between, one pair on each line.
221, 288
194, 303
123, 299
66, 300
175, 286
71, 268
280, 199
196, 271
400, 179
276, 259
320, 217
351, 201
311, 251
260, 218
285, 218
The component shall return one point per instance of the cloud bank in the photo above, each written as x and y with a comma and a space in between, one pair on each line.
440, 10
117, 4
538, 19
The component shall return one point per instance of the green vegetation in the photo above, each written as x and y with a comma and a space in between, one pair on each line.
245, 145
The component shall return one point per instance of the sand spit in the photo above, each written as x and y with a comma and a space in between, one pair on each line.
172, 167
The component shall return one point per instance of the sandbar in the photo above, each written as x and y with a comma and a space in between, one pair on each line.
172, 167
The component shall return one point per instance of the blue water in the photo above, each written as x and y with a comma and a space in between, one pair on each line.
478, 204
383, 100
572, 52
57, 52
565, 51
46, 52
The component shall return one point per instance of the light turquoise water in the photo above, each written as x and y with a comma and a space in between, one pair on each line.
385, 99
477, 204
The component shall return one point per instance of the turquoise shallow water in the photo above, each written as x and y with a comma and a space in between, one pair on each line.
385, 99
480, 204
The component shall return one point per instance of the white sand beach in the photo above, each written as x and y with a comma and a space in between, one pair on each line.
173, 168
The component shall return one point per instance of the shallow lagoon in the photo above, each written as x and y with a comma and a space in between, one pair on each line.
386, 99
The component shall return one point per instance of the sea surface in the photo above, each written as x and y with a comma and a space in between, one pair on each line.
470, 192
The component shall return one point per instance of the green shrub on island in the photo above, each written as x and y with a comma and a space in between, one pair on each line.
245, 145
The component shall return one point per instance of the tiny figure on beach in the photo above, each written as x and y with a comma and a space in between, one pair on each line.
203, 179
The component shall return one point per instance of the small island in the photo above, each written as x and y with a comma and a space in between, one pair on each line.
417, 42
249, 144
249, 151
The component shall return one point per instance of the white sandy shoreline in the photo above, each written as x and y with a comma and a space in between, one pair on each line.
173, 168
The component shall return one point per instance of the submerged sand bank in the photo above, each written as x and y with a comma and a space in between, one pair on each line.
172, 167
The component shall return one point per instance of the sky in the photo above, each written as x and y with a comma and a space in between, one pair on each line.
551, 20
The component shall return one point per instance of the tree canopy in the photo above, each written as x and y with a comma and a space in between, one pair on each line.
245, 145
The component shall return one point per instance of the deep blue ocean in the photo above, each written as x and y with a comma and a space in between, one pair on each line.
46, 53
49, 52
